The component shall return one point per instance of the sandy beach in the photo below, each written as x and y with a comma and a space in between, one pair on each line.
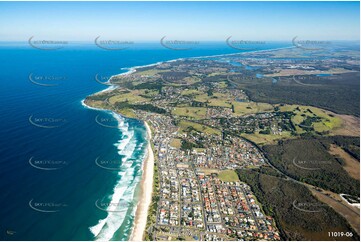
145, 198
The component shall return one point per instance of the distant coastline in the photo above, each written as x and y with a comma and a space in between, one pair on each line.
133, 69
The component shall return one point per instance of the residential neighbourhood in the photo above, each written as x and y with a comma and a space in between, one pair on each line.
194, 202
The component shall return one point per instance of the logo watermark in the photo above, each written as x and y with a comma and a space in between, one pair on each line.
178, 44
107, 122
104, 80
305, 126
113, 207
170, 78
314, 78
46, 122
47, 165
310, 44
113, 44
303, 164
46, 44
113, 165
46, 207
10, 232
308, 207
45, 80
234, 78
239, 78
244, 44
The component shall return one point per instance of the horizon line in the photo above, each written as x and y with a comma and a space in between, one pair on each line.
134, 41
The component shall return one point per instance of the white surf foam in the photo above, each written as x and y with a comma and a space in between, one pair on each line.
96, 228
124, 188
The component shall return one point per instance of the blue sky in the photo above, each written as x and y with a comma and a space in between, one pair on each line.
144, 21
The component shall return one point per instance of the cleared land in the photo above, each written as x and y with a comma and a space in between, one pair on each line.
352, 166
134, 97
190, 112
228, 176
327, 122
242, 108
293, 72
350, 213
176, 143
190, 92
350, 125
188, 126
268, 139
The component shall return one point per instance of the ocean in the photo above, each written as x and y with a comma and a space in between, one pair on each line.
68, 172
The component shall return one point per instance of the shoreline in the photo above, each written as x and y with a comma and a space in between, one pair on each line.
146, 183
133, 69
146, 191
